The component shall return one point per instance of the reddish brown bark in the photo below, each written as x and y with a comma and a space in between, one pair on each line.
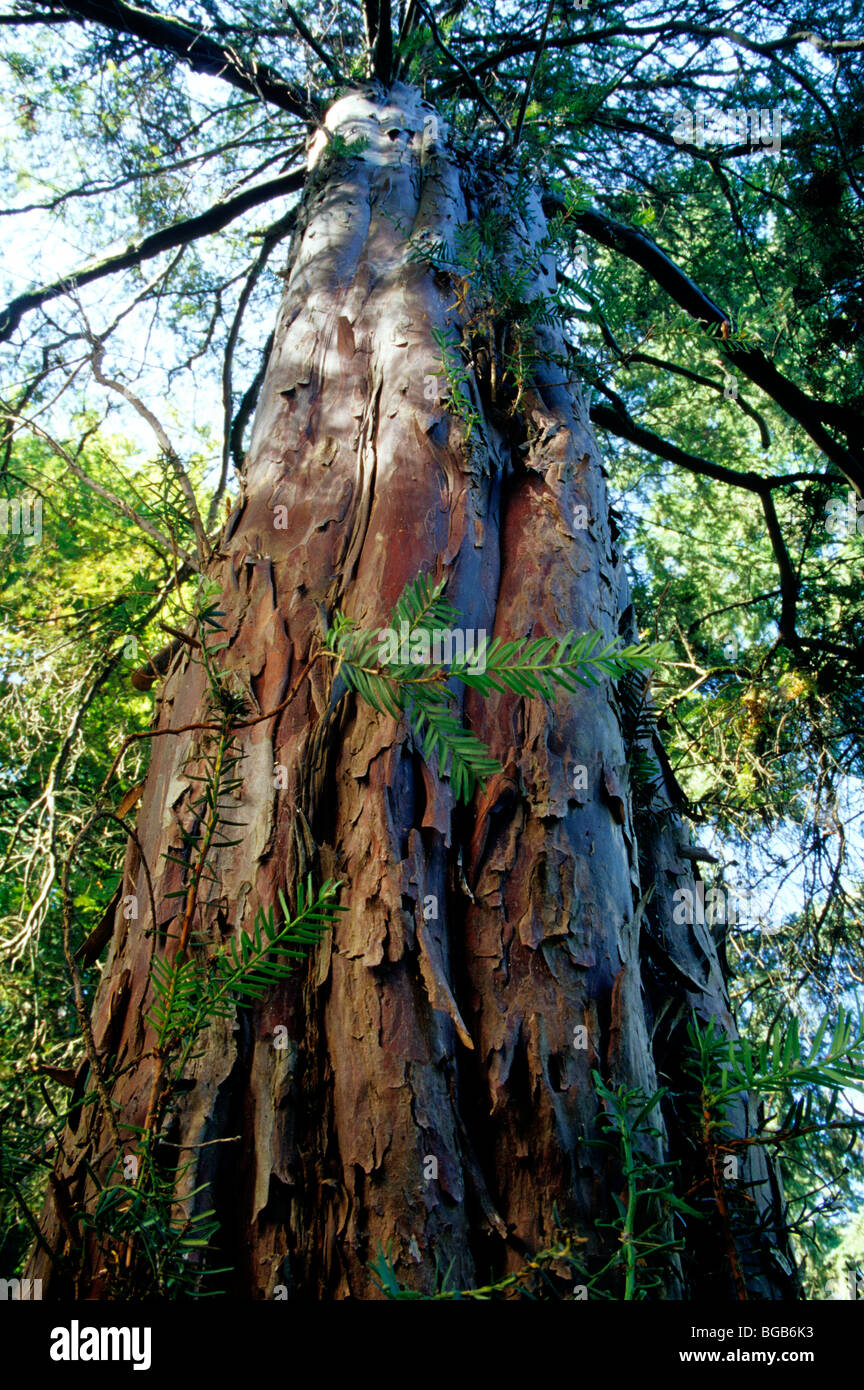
410, 1035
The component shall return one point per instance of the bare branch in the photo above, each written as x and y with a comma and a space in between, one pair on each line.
308, 37
247, 405
167, 546
164, 442
45, 18
271, 240
177, 234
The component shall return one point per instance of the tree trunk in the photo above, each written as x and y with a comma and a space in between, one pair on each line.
441, 1021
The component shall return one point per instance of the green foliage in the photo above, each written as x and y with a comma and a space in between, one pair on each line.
253, 969
642, 1246
642, 1224
189, 993
169, 1237
175, 990
457, 379
781, 1063
420, 689
536, 667
73, 609
811, 1122
645, 1248
494, 273
155, 1244
549, 1272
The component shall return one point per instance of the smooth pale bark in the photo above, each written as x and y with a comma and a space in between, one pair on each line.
412, 1036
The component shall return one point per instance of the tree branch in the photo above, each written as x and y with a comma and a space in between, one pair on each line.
627, 357
789, 585
165, 544
523, 105
97, 355
382, 48
45, 18
613, 120
507, 47
617, 421
473, 85
308, 37
407, 27
271, 240
202, 53
178, 233
247, 406
752, 362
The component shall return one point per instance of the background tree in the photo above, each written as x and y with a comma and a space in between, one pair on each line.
468, 240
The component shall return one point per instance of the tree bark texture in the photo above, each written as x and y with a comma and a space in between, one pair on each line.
414, 1036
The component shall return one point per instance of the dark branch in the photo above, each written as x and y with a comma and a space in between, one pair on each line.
382, 49
271, 240
788, 578
753, 363
677, 370
506, 47
627, 357
370, 27
46, 18
202, 53
406, 29
247, 406
523, 105
306, 34
613, 120
473, 85
178, 233
616, 419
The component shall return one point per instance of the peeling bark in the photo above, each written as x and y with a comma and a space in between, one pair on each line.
413, 1034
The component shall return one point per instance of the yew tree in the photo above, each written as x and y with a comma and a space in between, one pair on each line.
395, 993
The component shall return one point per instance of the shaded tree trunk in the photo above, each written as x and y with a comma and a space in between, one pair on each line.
439, 1021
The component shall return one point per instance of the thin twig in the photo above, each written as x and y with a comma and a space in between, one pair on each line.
162, 438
